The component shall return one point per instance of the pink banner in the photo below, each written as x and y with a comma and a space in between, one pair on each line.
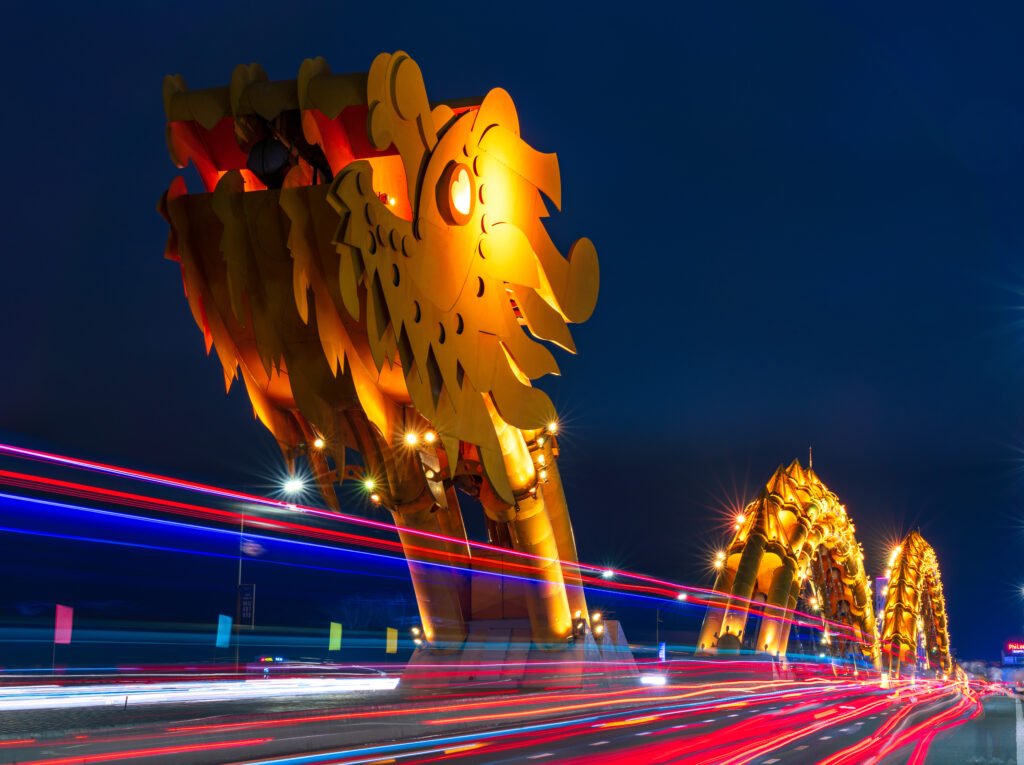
62, 626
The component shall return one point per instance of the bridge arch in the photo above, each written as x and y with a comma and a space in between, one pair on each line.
795, 540
915, 608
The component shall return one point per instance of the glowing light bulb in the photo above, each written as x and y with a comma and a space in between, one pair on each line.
430, 436
741, 518
415, 630
598, 629
368, 483
681, 596
552, 427
461, 191
411, 438
375, 498
607, 574
540, 459
596, 617
318, 444
293, 485
543, 475
718, 564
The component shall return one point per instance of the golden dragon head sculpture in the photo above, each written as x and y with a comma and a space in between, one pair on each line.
422, 270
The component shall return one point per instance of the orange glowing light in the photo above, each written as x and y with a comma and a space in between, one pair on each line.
462, 190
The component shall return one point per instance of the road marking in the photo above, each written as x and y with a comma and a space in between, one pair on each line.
769, 762
733, 715
1020, 734
538, 756
462, 748
800, 748
598, 743
643, 733
824, 738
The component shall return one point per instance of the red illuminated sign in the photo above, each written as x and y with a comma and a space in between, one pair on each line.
1014, 647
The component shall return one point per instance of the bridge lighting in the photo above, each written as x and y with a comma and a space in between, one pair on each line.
888, 571
681, 596
418, 641
577, 615
552, 427
741, 518
416, 631
543, 475
607, 574
411, 438
293, 485
368, 483
375, 498
540, 441
719, 563
430, 436
318, 444
653, 680
598, 629
540, 459
595, 617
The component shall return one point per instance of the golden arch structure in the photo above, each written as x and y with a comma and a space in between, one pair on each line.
915, 609
374, 267
795, 540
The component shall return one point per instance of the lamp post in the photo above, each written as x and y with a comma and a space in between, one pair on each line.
293, 485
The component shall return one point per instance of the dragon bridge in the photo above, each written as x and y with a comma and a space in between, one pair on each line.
915, 608
795, 541
375, 268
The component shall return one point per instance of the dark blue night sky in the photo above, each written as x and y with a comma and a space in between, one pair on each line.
808, 216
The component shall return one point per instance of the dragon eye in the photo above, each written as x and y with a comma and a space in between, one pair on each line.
455, 194
461, 191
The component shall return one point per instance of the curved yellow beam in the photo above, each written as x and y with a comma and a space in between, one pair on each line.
795, 536
915, 607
